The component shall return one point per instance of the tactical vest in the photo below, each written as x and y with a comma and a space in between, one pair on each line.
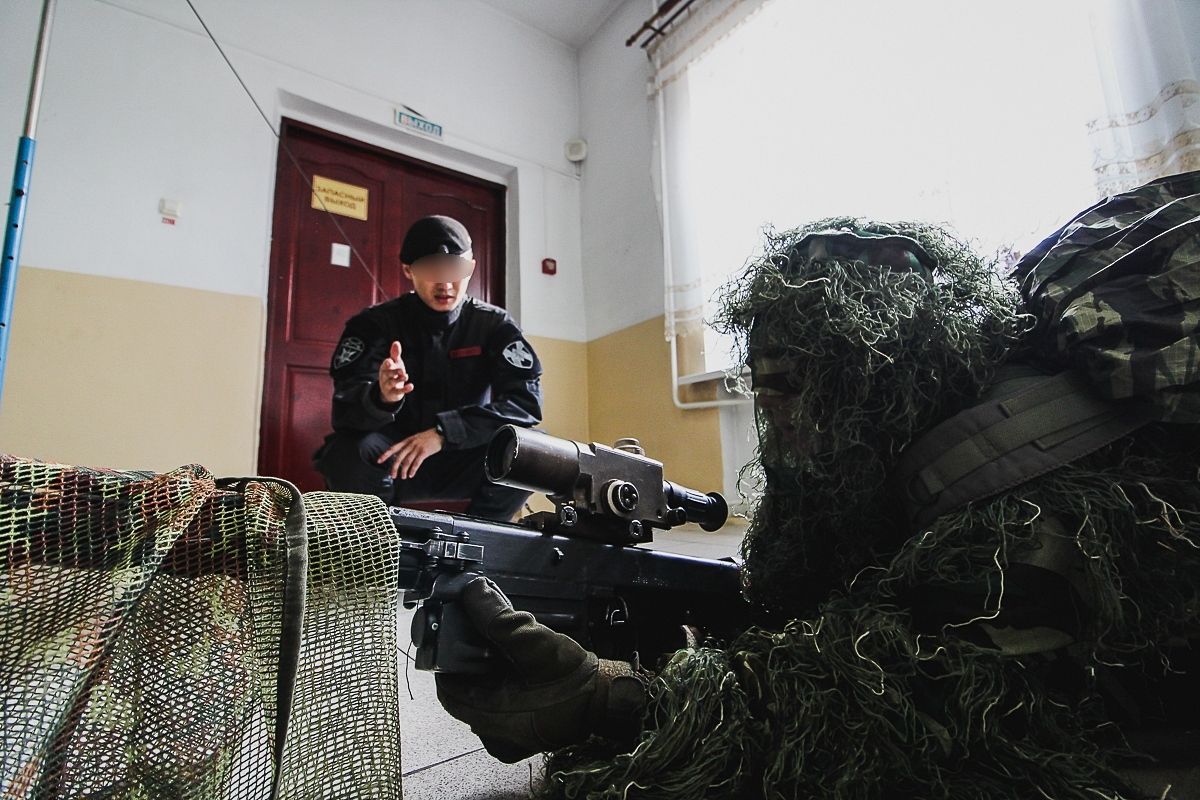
1116, 296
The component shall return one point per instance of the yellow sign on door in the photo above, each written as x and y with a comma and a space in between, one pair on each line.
340, 198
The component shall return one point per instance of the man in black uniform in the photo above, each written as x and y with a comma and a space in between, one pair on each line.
422, 381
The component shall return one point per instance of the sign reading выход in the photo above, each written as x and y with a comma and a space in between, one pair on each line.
404, 119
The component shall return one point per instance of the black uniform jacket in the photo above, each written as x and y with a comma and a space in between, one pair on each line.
471, 369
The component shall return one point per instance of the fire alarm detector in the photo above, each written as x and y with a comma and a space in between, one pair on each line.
576, 150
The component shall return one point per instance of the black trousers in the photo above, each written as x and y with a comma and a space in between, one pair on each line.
348, 464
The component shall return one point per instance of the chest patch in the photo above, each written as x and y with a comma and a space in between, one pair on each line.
466, 352
348, 350
518, 354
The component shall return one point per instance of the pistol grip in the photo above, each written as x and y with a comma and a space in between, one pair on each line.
446, 639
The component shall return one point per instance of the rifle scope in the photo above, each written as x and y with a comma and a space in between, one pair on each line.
599, 479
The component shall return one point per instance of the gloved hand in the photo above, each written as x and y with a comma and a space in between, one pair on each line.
552, 692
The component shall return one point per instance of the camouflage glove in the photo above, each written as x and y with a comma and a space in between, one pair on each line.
552, 692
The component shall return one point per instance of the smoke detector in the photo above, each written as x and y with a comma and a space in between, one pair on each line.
576, 150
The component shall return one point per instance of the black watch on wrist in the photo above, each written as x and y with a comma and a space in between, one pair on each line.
439, 429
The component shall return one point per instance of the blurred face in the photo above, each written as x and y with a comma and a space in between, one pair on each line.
441, 280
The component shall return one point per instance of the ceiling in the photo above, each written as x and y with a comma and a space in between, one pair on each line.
570, 21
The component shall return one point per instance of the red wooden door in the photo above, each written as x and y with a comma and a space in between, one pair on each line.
310, 298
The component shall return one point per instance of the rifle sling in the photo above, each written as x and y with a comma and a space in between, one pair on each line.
1029, 426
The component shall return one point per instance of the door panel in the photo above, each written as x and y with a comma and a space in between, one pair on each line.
324, 296
310, 299
307, 417
471, 208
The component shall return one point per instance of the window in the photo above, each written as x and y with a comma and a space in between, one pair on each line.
970, 114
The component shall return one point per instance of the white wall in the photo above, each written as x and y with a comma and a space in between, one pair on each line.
138, 105
622, 236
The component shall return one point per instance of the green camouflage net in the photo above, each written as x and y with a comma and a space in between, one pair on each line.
344, 733
145, 648
975, 657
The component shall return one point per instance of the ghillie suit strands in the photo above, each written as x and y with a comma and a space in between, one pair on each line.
985, 652
849, 361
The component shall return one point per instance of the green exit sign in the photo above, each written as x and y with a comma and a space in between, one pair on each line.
412, 122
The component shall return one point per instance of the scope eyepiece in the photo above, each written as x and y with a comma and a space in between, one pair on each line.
709, 511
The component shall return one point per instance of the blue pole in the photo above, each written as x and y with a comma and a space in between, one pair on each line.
12, 246
22, 173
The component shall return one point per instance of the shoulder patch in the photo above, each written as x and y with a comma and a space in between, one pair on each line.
348, 350
518, 354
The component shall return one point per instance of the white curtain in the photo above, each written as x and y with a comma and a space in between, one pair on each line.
779, 112
1002, 119
1147, 121
701, 28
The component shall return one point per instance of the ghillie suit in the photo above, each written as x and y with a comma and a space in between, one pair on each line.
999, 648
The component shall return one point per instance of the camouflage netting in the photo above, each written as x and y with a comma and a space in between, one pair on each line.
151, 644
1003, 651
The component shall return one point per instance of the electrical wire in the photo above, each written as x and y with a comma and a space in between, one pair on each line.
440, 763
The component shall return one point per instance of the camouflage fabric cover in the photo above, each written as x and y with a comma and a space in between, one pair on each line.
1117, 293
149, 640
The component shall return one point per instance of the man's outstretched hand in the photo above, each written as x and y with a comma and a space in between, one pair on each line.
410, 453
406, 455
393, 377
550, 693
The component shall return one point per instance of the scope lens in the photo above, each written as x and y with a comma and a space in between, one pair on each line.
532, 460
501, 452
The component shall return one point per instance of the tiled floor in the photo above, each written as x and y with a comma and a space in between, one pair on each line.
442, 759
